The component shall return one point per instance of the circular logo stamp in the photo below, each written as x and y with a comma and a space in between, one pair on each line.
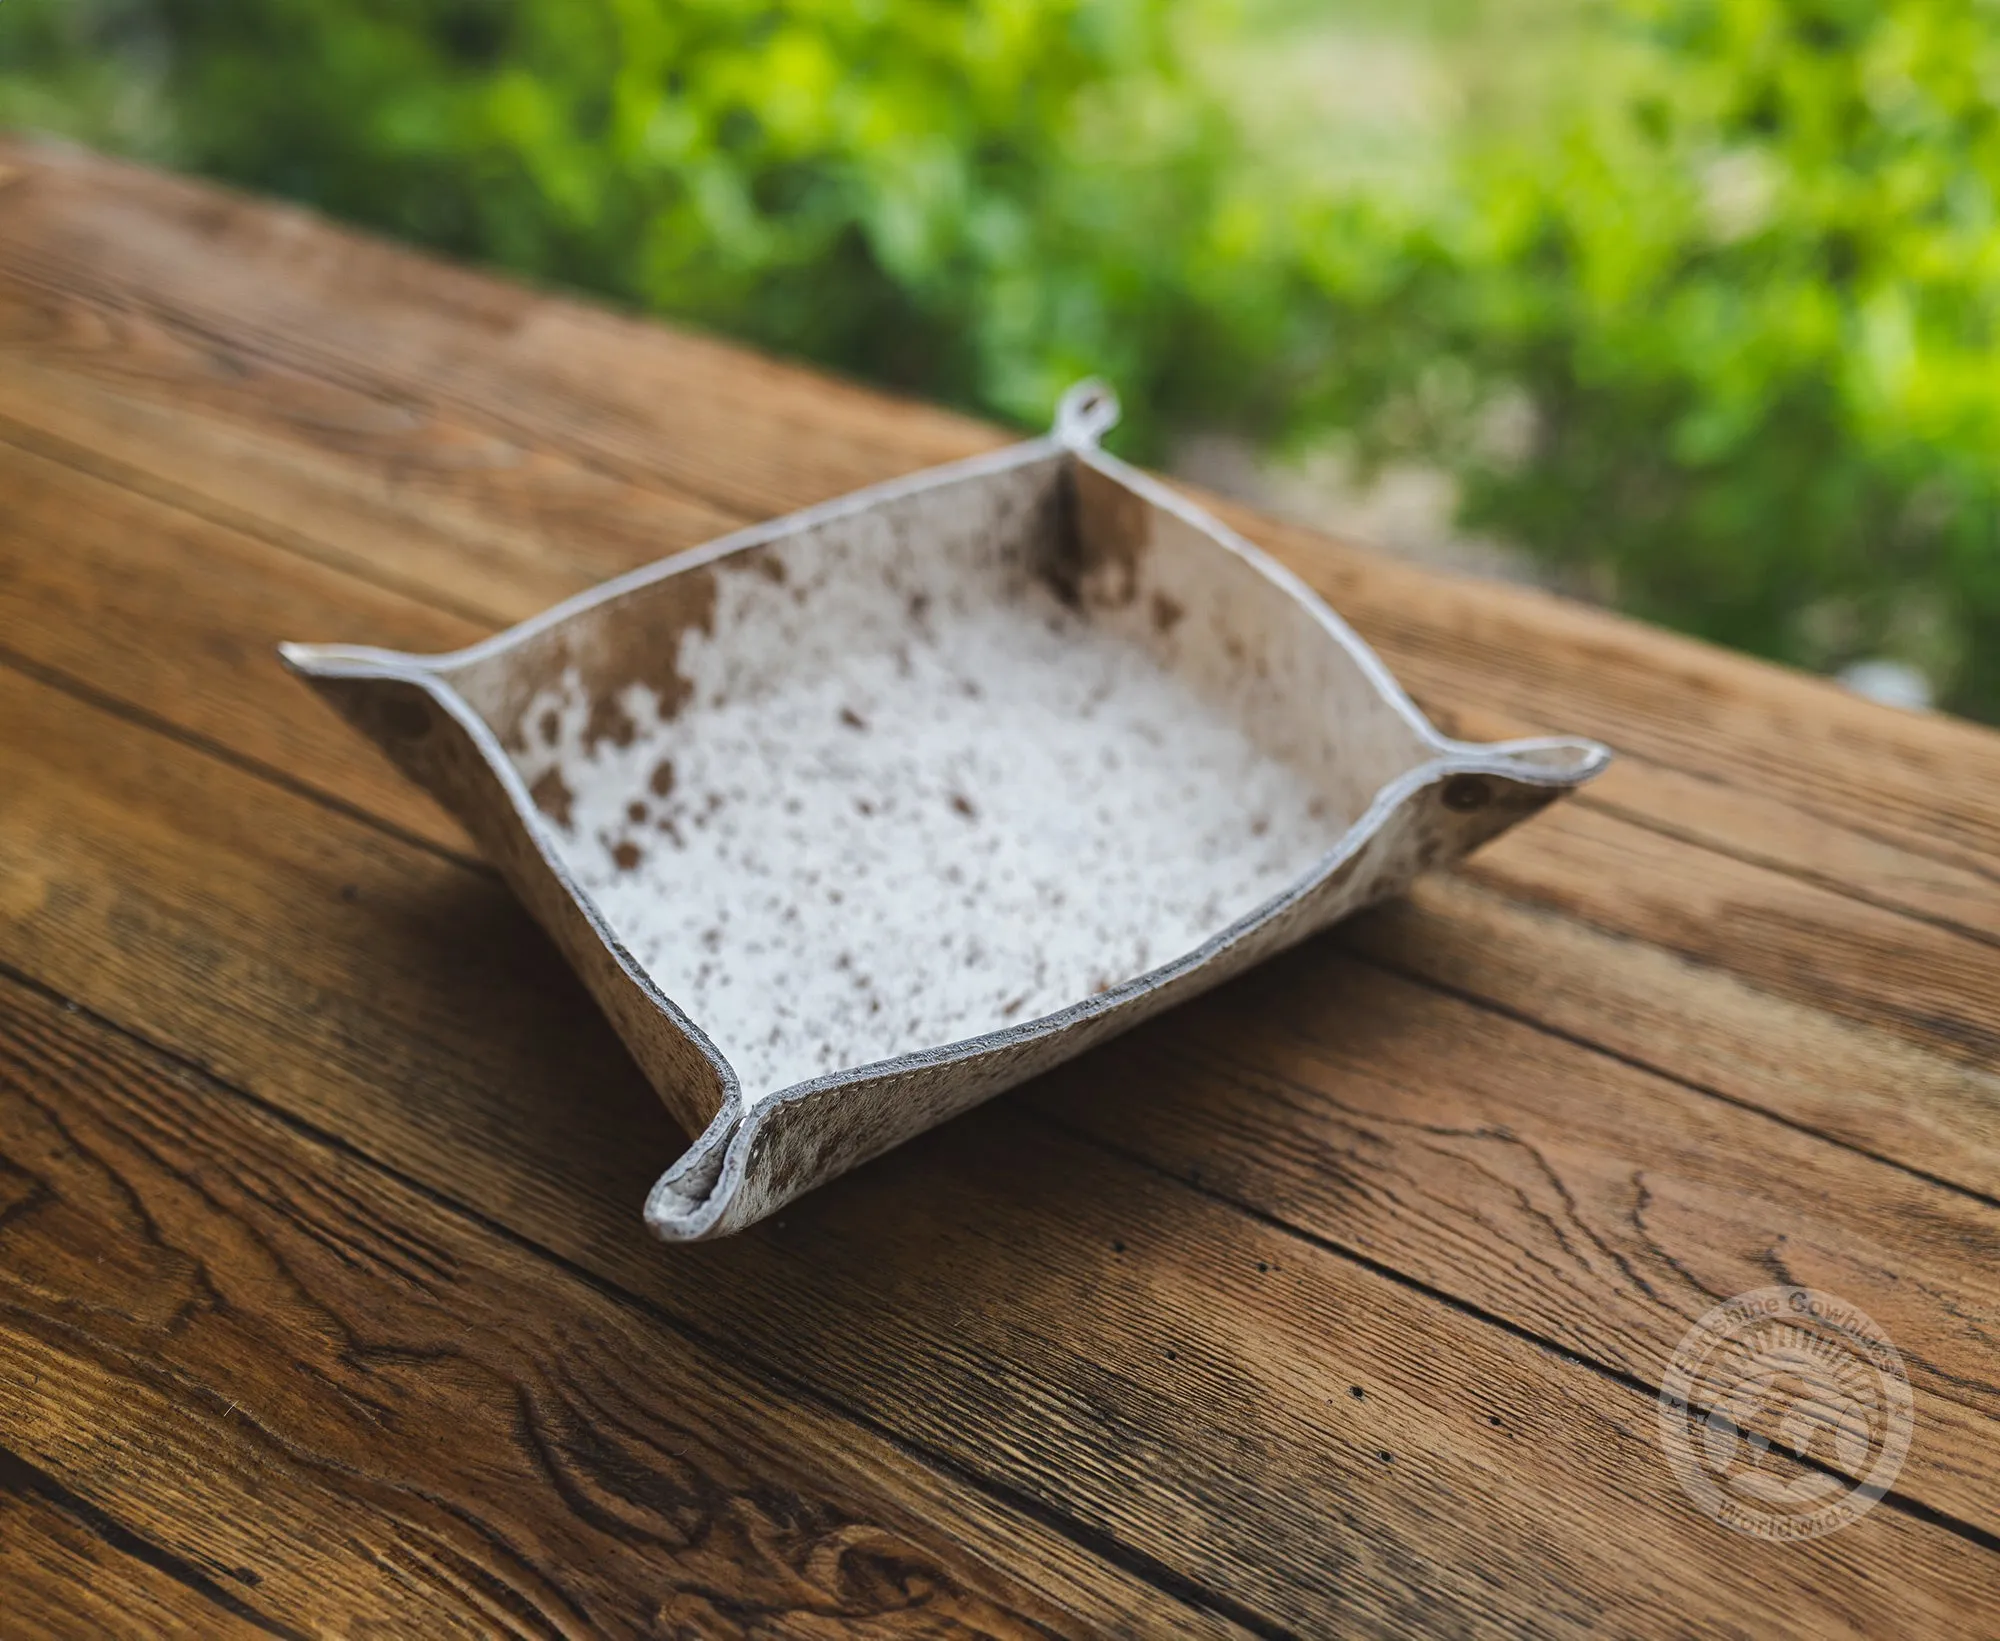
1785, 1413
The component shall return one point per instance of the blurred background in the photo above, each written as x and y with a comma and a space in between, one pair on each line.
1685, 306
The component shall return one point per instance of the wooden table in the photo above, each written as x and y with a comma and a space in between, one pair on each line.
1333, 1304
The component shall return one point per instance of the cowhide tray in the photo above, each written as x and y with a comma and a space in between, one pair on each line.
854, 819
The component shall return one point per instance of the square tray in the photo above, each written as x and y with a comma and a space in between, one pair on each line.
856, 818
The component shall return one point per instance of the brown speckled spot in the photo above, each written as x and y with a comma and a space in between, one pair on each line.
1167, 613
551, 727
964, 806
609, 722
552, 796
768, 565
638, 644
626, 856
652, 652
663, 778
503, 695
636, 811
852, 719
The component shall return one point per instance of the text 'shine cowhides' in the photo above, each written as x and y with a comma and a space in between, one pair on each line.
856, 818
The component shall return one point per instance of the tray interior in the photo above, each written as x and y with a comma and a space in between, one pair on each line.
922, 773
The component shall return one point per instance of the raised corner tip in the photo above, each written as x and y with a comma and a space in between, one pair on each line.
349, 661
1567, 759
1087, 412
692, 1199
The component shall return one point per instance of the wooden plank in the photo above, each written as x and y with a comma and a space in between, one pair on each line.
260, 276
178, 618
298, 1374
1760, 830
1700, 1025
170, 615
363, 480
67, 1569
1589, 1203
1147, 1363
660, 408
1920, 982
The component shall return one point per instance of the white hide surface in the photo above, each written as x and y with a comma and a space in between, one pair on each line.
964, 823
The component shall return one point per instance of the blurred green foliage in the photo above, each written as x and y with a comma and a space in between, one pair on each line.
1743, 290
1701, 306
979, 200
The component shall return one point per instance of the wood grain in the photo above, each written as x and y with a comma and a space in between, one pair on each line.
173, 616
1929, 985
1007, 1298
358, 473
1918, 781
68, 1569
1591, 1204
1752, 826
240, 290
303, 1378
1877, 1094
